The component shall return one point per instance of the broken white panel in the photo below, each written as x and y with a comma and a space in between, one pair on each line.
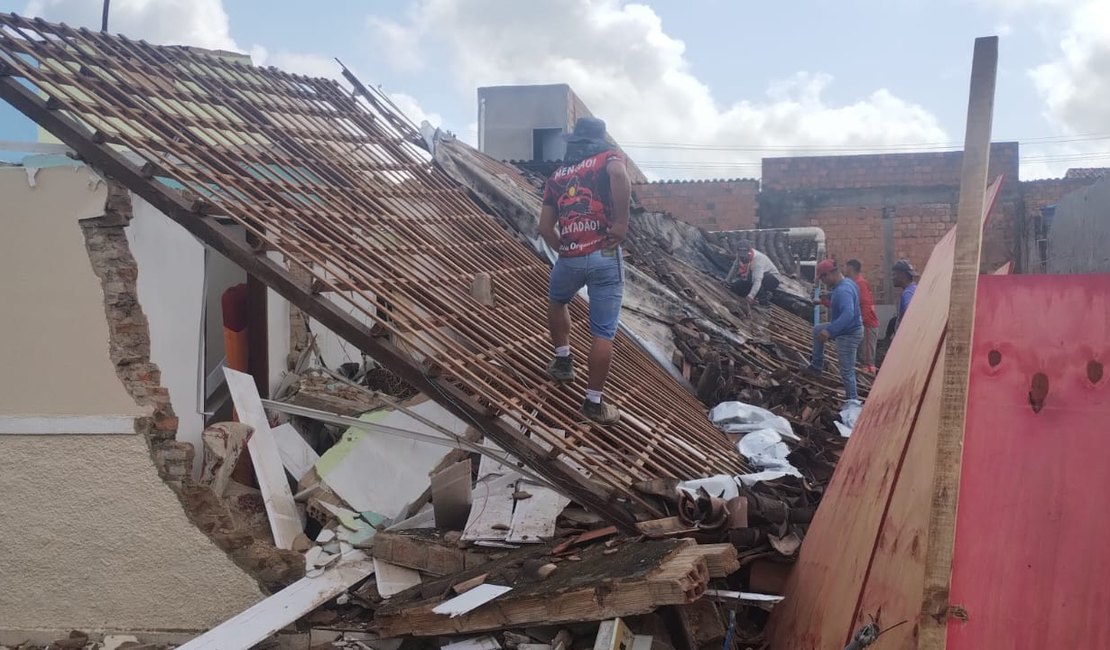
296, 454
382, 473
285, 523
534, 517
393, 579
491, 513
477, 643
452, 496
471, 600
250, 627
424, 519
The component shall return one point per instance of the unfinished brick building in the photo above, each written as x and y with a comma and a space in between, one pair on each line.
884, 207
712, 204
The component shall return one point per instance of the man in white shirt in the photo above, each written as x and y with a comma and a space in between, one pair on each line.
754, 275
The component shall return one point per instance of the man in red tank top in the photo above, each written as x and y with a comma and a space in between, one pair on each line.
585, 219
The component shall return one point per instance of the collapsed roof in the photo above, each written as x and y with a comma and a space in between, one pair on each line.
341, 187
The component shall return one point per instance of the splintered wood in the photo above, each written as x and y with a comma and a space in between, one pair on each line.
637, 580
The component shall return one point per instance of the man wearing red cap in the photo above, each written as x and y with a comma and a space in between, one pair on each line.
845, 326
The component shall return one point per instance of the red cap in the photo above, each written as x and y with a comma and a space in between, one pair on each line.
825, 266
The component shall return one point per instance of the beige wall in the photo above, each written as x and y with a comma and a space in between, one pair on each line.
55, 339
91, 537
93, 540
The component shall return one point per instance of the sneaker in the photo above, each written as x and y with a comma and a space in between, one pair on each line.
601, 412
809, 371
562, 368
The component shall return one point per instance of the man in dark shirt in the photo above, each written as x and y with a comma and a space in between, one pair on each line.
903, 275
585, 218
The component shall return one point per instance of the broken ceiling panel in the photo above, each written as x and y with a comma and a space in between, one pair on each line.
340, 187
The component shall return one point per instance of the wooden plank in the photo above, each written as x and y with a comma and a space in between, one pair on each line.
285, 522
452, 495
933, 626
1031, 559
636, 581
248, 628
721, 559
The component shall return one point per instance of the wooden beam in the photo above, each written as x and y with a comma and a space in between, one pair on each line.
933, 621
209, 230
597, 588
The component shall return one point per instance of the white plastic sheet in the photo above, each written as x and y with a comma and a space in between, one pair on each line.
738, 417
848, 416
721, 485
766, 451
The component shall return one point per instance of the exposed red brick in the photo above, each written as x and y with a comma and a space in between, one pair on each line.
712, 205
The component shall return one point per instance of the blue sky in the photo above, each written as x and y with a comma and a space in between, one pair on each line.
727, 80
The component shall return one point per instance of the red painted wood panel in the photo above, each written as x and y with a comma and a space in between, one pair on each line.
1032, 555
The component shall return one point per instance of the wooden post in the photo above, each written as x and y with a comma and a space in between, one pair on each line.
961, 319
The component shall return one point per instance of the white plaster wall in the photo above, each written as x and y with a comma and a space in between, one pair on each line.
171, 291
94, 540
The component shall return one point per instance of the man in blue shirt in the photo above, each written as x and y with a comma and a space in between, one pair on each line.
903, 278
845, 326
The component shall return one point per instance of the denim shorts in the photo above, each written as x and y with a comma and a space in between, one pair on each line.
602, 273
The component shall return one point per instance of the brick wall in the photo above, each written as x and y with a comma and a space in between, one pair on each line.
711, 205
856, 200
880, 170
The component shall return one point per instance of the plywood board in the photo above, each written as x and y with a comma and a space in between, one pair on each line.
285, 522
957, 346
1031, 559
837, 560
893, 585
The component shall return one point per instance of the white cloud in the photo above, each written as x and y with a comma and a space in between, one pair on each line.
630, 72
414, 111
1075, 85
201, 23
1075, 88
